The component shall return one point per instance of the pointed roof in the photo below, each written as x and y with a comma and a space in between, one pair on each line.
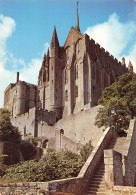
72, 37
55, 37
129, 64
77, 19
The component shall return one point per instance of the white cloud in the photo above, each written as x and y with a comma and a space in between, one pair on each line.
115, 37
7, 26
28, 71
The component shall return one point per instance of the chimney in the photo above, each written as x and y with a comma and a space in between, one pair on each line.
17, 77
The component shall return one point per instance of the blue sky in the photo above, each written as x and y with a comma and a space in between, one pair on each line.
26, 28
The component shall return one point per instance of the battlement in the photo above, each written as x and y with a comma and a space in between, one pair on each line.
95, 47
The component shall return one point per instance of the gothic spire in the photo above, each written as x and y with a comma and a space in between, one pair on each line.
55, 37
77, 19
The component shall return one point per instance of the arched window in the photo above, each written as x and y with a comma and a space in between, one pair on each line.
44, 145
66, 95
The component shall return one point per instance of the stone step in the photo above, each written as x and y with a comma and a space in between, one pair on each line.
96, 190
99, 176
100, 171
98, 182
96, 185
96, 193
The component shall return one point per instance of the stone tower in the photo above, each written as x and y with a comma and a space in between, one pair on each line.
55, 76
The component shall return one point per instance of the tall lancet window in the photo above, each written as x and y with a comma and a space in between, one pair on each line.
67, 52
76, 91
76, 71
66, 76
78, 46
66, 95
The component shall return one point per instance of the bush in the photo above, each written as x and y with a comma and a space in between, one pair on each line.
52, 166
86, 150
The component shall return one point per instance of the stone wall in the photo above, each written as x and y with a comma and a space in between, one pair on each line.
123, 190
120, 163
80, 128
23, 188
26, 123
130, 155
38, 188
113, 169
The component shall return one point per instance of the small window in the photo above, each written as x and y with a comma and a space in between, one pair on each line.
76, 71
76, 91
68, 52
66, 95
66, 76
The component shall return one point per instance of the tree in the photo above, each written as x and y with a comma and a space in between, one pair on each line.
120, 97
7, 131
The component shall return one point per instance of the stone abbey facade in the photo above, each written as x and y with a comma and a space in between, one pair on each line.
71, 80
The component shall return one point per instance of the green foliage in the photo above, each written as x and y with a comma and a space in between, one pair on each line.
86, 150
122, 96
52, 166
27, 149
12, 151
7, 131
2, 165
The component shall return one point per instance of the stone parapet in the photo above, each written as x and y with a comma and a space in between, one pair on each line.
113, 168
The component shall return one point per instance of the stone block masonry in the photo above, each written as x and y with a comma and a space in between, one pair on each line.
71, 79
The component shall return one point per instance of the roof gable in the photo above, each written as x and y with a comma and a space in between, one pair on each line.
73, 36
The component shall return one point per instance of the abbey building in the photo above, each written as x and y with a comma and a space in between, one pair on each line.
71, 80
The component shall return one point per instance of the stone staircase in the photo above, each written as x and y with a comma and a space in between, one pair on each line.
97, 183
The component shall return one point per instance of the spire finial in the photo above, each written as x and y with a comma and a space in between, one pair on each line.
77, 20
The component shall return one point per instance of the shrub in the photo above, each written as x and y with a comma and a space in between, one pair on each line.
54, 165
86, 150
